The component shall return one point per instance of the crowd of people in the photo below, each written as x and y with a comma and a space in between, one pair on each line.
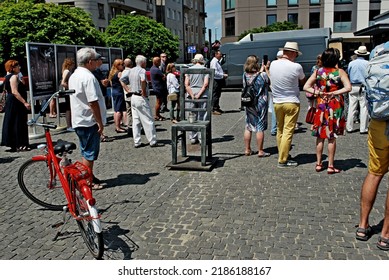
275, 82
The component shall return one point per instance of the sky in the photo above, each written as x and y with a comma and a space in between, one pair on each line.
213, 19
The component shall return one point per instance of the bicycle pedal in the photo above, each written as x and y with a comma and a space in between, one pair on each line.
57, 225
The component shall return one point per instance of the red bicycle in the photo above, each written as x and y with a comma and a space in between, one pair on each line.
46, 178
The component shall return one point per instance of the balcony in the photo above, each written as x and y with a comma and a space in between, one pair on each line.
188, 4
341, 27
139, 5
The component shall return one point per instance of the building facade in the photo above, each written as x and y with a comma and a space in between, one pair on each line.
184, 18
344, 17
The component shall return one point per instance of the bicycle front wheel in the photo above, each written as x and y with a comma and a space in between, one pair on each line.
88, 222
36, 183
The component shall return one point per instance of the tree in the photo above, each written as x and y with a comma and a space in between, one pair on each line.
277, 26
26, 21
141, 35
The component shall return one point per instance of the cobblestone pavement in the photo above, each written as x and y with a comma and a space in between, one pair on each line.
245, 208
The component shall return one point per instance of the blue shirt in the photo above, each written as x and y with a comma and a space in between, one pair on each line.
357, 70
159, 84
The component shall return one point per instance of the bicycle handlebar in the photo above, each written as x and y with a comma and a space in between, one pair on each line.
59, 93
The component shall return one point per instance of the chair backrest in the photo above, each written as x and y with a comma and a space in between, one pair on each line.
185, 102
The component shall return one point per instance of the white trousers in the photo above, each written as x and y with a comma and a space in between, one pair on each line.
142, 117
354, 98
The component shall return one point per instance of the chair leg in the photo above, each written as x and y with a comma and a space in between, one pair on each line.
209, 143
174, 145
204, 147
183, 143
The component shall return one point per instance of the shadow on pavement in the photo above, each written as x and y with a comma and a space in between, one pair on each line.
118, 248
347, 164
129, 179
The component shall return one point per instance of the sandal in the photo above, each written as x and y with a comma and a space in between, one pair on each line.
367, 233
23, 149
385, 241
319, 167
332, 170
248, 153
105, 138
264, 155
159, 118
52, 116
96, 186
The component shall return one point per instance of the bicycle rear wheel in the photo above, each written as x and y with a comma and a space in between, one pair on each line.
35, 181
89, 222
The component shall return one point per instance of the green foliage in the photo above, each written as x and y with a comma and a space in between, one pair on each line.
44, 23
277, 26
141, 35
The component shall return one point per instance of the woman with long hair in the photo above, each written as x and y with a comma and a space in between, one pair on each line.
67, 70
15, 129
328, 84
119, 104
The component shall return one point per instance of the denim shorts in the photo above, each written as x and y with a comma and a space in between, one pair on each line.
89, 141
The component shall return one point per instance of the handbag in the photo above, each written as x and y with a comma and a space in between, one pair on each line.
172, 96
3, 99
310, 117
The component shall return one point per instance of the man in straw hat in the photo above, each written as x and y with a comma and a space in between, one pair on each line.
285, 77
356, 70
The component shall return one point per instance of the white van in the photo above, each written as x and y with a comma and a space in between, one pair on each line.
311, 43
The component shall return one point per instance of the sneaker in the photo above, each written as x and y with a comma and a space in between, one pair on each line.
216, 113
194, 141
289, 163
273, 133
156, 144
70, 129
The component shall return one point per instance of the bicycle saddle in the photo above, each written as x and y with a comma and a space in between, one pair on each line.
64, 146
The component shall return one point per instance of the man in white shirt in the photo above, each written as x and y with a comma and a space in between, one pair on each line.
285, 77
218, 84
87, 108
140, 104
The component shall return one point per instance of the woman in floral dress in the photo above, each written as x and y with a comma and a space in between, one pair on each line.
256, 116
328, 84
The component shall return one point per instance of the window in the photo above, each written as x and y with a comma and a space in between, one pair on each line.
342, 21
314, 2
293, 18
372, 15
314, 20
343, 1
230, 4
271, 3
293, 2
270, 19
67, 3
101, 10
230, 26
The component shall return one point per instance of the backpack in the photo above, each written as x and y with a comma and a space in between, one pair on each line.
248, 96
377, 83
